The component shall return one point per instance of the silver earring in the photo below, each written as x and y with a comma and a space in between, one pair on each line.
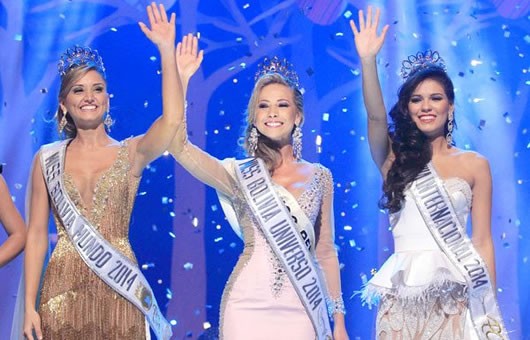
253, 141
62, 123
449, 135
297, 143
108, 121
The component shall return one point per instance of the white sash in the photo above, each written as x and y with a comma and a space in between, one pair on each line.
440, 217
107, 262
302, 222
285, 240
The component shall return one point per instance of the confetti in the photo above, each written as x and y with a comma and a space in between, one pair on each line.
507, 118
145, 266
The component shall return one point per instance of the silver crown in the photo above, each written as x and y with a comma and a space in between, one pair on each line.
78, 56
282, 67
420, 61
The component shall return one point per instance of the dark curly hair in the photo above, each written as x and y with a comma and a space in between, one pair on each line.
410, 146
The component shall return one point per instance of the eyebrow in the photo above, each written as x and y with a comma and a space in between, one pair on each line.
96, 84
265, 100
432, 94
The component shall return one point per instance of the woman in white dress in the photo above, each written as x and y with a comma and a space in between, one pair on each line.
422, 294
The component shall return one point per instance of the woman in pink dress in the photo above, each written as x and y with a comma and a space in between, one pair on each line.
259, 300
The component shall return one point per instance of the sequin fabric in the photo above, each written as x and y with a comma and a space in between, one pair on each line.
245, 295
441, 316
310, 201
75, 303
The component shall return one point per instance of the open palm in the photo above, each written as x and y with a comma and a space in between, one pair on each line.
188, 57
162, 31
367, 42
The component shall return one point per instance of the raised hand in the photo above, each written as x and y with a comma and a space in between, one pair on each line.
162, 32
188, 57
367, 42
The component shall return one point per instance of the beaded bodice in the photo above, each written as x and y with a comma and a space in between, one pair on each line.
111, 205
310, 201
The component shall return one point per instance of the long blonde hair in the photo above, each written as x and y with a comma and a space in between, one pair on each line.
67, 82
266, 149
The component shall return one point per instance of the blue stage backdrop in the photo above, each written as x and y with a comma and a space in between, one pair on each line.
178, 231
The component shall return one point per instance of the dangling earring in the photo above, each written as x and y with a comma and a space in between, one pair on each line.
108, 121
253, 141
62, 123
297, 143
449, 135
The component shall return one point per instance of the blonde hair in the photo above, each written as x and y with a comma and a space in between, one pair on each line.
266, 148
67, 82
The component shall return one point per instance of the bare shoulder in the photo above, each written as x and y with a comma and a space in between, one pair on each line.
475, 165
36, 162
473, 160
132, 141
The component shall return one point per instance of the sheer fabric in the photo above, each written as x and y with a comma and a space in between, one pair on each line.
259, 301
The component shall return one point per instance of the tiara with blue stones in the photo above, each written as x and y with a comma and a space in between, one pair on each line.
421, 61
80, 56
280, 66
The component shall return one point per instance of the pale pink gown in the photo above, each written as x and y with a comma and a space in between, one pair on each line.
259, 302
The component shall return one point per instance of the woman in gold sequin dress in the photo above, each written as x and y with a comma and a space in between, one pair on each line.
259, 302
101, 176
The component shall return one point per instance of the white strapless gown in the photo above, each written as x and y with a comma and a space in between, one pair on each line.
422, 294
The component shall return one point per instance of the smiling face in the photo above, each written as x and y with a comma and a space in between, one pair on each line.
87, 100
429, 107
276, 113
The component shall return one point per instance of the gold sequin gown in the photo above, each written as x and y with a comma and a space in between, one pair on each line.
75, 303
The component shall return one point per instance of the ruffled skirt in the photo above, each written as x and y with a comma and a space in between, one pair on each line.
421, 295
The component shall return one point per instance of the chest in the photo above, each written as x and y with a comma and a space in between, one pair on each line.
87, 168
453, 167
295, 181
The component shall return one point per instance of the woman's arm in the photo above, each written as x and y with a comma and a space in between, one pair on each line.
481, 212
200, 164
368, 44
157, 139
36, 247
13, 225
328, 259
